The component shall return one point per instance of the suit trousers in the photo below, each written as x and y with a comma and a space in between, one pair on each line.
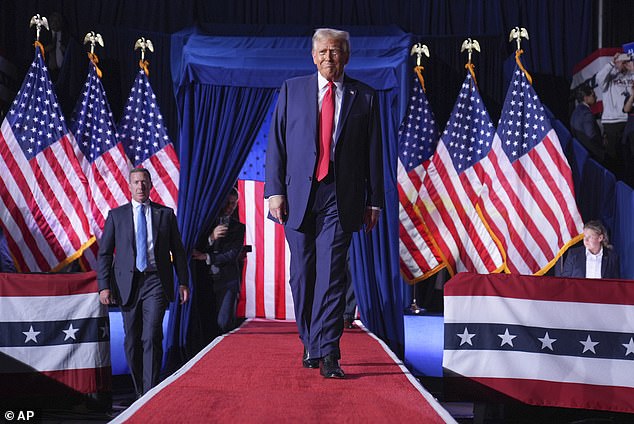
226, 301
318, 272
143, 327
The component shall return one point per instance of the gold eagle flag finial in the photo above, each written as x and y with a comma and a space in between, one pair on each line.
470, 45
517, 34
39, 22
144, 44
94, 38
419, 50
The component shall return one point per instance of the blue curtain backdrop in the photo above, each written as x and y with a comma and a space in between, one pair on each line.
217, 127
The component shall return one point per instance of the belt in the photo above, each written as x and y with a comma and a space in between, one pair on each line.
145, 273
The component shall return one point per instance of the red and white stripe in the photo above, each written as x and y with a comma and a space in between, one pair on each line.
43, 204
447, 201
418, 256
83, 366
164, 168
530, 205
107, 179
265, 292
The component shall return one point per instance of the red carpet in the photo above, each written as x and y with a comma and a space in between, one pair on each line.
254, 375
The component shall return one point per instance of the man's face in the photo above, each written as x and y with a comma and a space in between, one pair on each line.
230, 206
140, 186
330, 58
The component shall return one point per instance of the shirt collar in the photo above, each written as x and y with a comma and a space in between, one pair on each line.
322, 82
592, 255
136, 204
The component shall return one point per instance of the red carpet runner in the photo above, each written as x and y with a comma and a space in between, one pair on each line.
254, 375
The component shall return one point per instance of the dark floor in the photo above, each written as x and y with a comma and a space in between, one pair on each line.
70, 409
476, 407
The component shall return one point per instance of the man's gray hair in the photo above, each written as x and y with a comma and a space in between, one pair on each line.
332, 34
141, 170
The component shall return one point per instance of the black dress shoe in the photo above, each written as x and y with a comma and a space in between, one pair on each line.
329, 367
309, 362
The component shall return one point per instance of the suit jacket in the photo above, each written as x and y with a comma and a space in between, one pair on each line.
117, 251
585, 129
225, 256
575, 263
292, 152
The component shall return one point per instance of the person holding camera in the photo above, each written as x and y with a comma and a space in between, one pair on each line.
614, 80
223, 254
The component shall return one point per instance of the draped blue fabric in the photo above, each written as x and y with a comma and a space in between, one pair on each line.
374, 260
224, 85
623, 238
217, 127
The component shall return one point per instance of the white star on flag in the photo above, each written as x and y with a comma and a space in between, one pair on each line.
506, 338
31, 335
465, 337
70, 333
547, 342
629, 347
588, 344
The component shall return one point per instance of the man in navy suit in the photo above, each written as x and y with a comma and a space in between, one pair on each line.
138, 250
583, 124
324, 181
223, 254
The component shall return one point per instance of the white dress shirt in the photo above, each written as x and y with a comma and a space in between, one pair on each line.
151, 263
593, 264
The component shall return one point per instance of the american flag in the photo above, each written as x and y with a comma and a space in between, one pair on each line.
417, 139
147, 144
43, 190
100, 153
56, 334
530, 202
265, 292
543, 340
453, 184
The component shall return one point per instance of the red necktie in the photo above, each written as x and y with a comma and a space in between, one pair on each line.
326, 123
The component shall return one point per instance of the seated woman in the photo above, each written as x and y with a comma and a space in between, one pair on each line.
596, 258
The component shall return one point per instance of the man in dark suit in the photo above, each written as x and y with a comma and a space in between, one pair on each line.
324, 180
139, 246
583, 124
223, 253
